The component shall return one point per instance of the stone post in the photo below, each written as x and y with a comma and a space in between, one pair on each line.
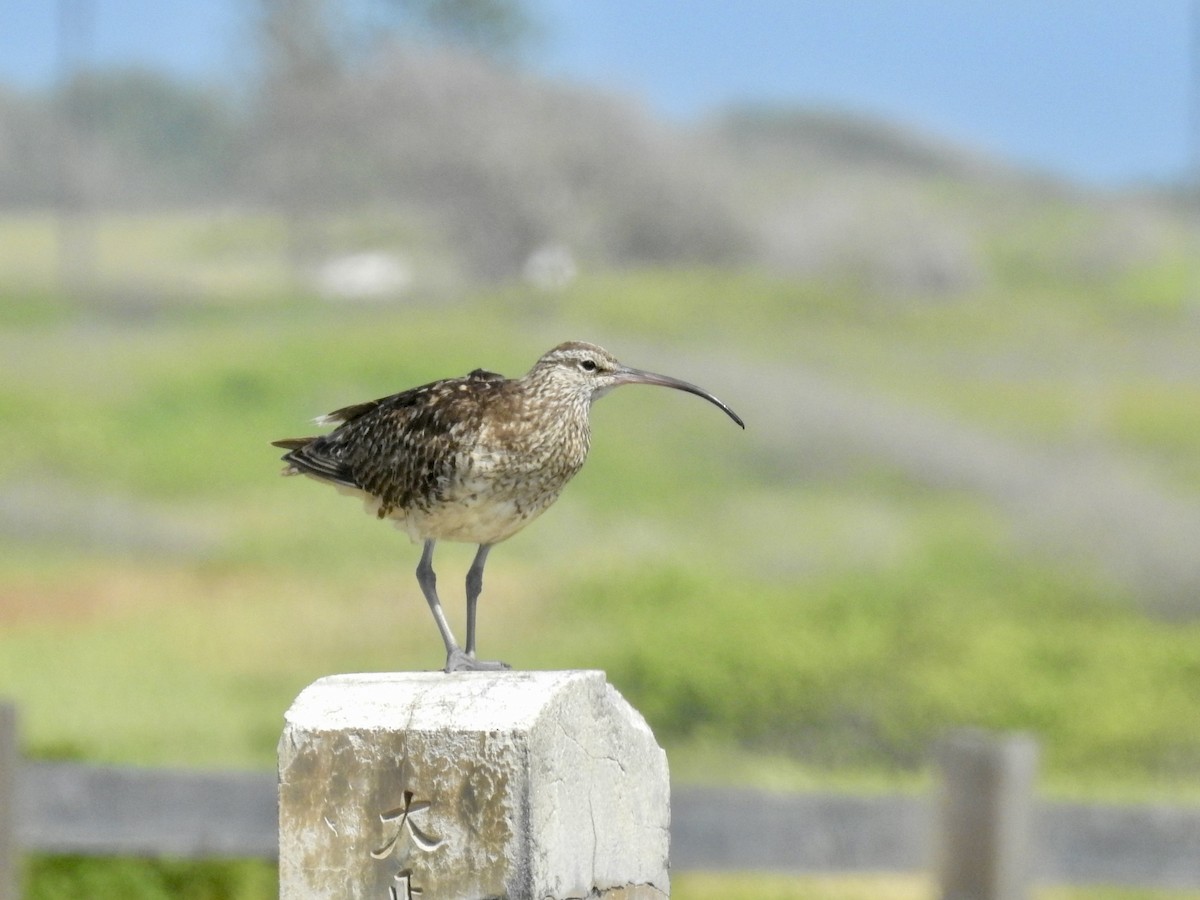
470, 786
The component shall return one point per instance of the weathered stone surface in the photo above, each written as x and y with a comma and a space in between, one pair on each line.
471, 786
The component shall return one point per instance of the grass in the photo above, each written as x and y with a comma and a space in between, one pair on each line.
711, 886
53, 877
893, 609
782, 619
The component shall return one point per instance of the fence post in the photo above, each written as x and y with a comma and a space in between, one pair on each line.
985, 815
10, 758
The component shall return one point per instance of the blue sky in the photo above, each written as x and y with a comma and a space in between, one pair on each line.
1096, 90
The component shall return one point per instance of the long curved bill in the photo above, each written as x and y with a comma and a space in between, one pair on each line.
630, 375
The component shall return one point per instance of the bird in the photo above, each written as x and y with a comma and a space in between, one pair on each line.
472, 459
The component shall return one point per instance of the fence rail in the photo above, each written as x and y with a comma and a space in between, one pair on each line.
72, 808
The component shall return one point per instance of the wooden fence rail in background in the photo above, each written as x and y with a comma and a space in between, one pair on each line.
113, 811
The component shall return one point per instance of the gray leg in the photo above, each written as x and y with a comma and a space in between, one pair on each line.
474, 586
428, 582
457, 659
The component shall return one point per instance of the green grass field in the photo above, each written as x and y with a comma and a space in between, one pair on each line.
56, 878
783, 614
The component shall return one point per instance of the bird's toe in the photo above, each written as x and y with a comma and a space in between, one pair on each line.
461, 661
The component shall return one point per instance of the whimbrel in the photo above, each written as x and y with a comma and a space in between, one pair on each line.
472, 459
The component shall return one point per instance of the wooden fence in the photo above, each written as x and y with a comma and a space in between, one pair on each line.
982, 832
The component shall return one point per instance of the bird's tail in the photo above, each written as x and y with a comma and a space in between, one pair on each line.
292, 444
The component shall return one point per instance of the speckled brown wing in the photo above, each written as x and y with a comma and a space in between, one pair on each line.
401, 449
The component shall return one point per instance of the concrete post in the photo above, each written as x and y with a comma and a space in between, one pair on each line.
474, 785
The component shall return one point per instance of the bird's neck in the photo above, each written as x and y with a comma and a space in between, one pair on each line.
558, 418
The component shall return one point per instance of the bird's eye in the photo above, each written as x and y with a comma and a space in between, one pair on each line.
588, 365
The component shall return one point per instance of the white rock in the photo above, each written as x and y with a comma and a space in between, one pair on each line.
363, 276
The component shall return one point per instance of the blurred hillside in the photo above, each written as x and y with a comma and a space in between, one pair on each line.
465, 167
968, 491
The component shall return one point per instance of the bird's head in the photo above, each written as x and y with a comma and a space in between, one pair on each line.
587, 370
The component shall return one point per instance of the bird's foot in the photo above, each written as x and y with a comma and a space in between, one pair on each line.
461, 661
